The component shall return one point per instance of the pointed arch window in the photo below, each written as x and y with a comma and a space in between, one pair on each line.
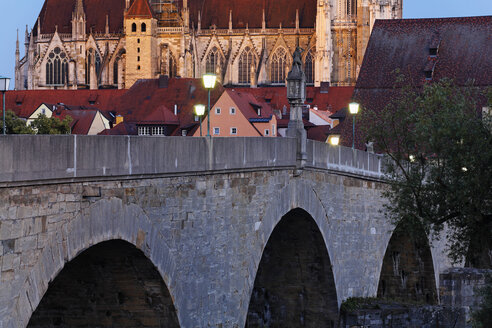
173, 67
144, 27
57, 67
309, 67
278, 66
92, 58
134, 27
115, 71
246, 61
214, 59
351, 7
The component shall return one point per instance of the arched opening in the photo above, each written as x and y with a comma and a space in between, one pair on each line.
214, 59
309, 67
279, 66
57, 67
407, 273
294, 285
144, 27
247, 61
112, 284
134, 27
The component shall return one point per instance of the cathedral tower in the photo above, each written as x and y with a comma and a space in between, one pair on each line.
141, 42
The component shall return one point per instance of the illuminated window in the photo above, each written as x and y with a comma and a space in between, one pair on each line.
278, 66
246, 61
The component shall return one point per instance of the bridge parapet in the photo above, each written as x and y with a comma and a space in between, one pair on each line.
38, 159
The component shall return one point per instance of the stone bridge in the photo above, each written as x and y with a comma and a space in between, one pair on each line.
196, 232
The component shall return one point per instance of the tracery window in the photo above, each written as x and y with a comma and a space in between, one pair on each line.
278, 66
351, 7
246, 61
214, 58
309, 67
57, 67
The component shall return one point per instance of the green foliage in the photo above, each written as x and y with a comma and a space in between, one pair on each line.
52, 125
439, 164
355, 303
483, 317
16, 125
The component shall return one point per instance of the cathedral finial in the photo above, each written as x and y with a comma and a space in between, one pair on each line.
79, 9
263, 23
127, 5
107, 24
199, 21
17, 43
230, 20
297, 19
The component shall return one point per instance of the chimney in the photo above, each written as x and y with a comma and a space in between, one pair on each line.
119, 119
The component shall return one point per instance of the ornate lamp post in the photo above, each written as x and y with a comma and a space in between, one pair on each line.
4, 86
199, 111
209, 84
354, 109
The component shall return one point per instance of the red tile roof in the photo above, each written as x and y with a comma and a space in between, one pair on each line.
213, 12
463, 54
250, 12
140, 9
25, 102
465, 45
81, 119
59, 13
246, 103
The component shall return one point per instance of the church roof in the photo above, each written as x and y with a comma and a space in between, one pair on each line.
140, 9
213, 13
250, 12
59, 13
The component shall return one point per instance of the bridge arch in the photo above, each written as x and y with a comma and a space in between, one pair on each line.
110, 284
103, 221
297, 195
407, 271
294, 284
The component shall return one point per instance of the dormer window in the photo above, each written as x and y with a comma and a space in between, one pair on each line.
433, 52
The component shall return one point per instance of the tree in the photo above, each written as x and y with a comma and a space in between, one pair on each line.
15, 125
439, 151
52, 125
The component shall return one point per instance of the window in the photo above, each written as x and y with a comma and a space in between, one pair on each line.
197, 118
144, 27
309, 67
216, 131
433, 52
134, 27
138, 50
92, 56
173, 68
138, 58
278, 66
138, 40
57, 67
232, 111
273, 130
115, 71
217, 110
233, 131
247, 61
157, 130
214, 59
267, 132
138, 67
144, 130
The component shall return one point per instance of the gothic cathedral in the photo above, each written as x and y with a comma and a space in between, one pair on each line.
92, 44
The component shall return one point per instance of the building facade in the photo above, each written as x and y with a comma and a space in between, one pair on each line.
112, 43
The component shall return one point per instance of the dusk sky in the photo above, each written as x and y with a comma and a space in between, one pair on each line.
15, 14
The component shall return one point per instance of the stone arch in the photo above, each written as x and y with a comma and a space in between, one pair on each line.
105, 220
297, 194
407, 271
294, 285
111, 283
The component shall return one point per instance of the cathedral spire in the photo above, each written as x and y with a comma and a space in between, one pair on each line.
17, 52
79, 9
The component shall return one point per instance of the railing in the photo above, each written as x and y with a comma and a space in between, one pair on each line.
40, 159
169, 30
257, 31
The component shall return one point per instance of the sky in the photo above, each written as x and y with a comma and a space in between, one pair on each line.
15, 14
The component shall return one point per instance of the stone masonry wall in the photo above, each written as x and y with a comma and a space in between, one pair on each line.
205, 234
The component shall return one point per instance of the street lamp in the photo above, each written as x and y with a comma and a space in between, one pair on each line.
4, 86
199, 111
354, 109
334, 139
209, 84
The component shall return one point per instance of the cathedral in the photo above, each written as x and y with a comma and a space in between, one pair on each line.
96, 44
